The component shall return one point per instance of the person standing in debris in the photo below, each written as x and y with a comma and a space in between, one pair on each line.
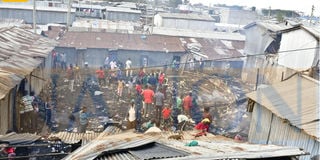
48, 109
101, 77
179, 104
152, 81
206, 113
128, 67
83, 119
106, 63
131, 116
141, 75
72, 119
166, 115
113, 64
173, 65
120, 87
148, 99
70, 74
130, 87
201, 65
138, 104
187, 104
54, 58
77, 74
159, 102
63, 61
161, 79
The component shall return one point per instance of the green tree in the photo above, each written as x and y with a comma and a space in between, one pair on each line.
280, 17
174, 3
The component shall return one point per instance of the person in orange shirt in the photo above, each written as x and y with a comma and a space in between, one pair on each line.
101, 76
148, 95
187, 104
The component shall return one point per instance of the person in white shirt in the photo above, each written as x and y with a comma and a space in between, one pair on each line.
128, 67
131, 116
106, 62
113, 64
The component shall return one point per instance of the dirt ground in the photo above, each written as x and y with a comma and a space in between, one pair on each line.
219, 92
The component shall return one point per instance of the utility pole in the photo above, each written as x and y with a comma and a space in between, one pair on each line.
34, 17
311, 16
269, 14
68, 14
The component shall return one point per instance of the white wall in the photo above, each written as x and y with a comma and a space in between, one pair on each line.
188, 24
297, 40
257, 40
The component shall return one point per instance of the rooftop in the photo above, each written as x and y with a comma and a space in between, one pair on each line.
295, 100
19, 49
130, 145
198, 17
121, 41
271, 26
38, 8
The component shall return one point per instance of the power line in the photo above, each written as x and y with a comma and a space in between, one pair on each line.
242, 56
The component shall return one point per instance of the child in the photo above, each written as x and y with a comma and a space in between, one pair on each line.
166, 113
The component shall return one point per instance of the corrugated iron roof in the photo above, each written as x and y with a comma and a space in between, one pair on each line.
191, 16
149, 151
121, 41
121, 9
109, 143
217, 48
295, 100
73, 137
24, 138
157, 151
271, 26
19, 49
210, 147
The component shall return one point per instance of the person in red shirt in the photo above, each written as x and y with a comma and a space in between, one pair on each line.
166, 113
138, 87
101, 76
203, 127
161, 78
148, 99
187, 104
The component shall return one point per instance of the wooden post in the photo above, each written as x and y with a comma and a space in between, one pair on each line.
257, 79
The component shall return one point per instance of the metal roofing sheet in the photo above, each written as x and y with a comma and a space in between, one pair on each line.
121, 41
72, 137
19, 49
187, 16
271, 26
121, 9
210, 147
149, 151
109, 143
295, 100
157, 151
24, 138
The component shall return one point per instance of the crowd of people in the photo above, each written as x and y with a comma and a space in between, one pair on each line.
145, 91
